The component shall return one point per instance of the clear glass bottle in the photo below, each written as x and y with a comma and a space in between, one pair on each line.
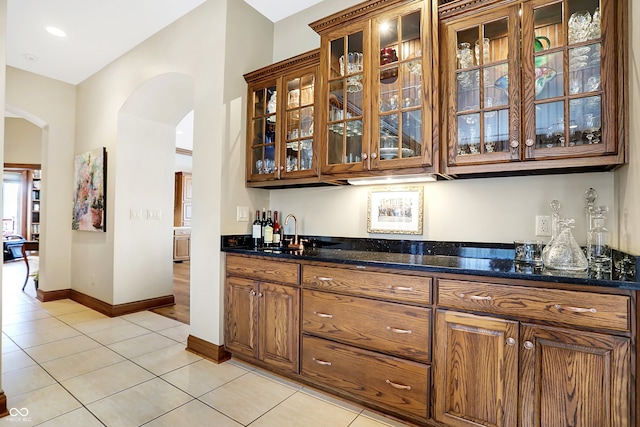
599, 242
555, 226
564, 252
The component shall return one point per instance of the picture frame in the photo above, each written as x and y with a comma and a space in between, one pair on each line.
395, 210
90, 191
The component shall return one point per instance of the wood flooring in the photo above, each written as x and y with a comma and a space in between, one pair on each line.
14, 273
181, 286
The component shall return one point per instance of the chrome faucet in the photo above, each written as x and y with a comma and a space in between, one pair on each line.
295, 242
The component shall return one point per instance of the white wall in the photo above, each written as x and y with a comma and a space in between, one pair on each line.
143, 248
22, 141
51, 105
209, 55
480, 210
628, 178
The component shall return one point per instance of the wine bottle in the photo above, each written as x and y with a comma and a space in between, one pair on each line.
268, 231
276, 230
262, 225
256, 231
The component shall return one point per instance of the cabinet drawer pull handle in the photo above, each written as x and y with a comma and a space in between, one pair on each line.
476, 297
575, 309
398, 386
325, 315
324, 279
399, 331
321, 362
361, 267
528, 345
401, 288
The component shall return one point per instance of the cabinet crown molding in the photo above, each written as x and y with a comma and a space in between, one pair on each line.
456, 7
269, 70
359, 11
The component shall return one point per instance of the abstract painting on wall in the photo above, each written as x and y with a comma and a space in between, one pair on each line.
89, 200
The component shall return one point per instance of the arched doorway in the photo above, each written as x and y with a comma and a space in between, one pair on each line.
146, 148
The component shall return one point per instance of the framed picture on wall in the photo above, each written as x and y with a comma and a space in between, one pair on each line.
89, 199
395, 210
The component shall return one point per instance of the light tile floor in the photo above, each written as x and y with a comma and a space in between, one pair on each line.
66, 365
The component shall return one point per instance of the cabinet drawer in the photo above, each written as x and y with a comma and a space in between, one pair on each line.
361, 282
264, 270
553, 305
384, 380
387, 327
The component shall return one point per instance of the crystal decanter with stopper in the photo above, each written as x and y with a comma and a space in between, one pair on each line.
564, 252
599, 242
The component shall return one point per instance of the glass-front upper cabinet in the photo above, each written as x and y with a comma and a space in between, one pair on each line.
262, 128
569, 81
376, 109
539, 80
346, 103
281, 112
299, 157
484, 88
402, 129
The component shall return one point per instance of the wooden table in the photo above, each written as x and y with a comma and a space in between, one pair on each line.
29, 245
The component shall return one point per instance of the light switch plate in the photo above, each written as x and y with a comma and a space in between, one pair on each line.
154, 214
242, 214
135, 214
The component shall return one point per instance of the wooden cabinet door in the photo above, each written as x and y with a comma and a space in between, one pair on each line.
241, 316
571, 378
279, 326
476, 370
345, 104
483, 101
181, 247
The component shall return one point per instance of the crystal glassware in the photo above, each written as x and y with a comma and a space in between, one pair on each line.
579, 26
465, 57
599, 242
564, 253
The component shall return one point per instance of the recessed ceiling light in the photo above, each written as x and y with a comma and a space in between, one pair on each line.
30, 57
56, 32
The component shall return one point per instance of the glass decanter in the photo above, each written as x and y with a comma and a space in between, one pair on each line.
555, 226
599, 242
564, 252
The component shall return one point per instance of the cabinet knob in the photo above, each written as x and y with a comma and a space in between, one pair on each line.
528, 345
529, 142
374, 155
511, 341
364, 156
514, 144
281, 168
252, 293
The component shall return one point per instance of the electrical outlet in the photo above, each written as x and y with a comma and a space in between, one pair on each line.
543, 225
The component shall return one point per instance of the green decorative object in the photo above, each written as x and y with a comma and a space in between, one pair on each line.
539, 46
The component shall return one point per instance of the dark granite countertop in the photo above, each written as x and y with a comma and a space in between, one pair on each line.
480, 259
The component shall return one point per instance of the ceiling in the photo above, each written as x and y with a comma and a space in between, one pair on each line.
99, 31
